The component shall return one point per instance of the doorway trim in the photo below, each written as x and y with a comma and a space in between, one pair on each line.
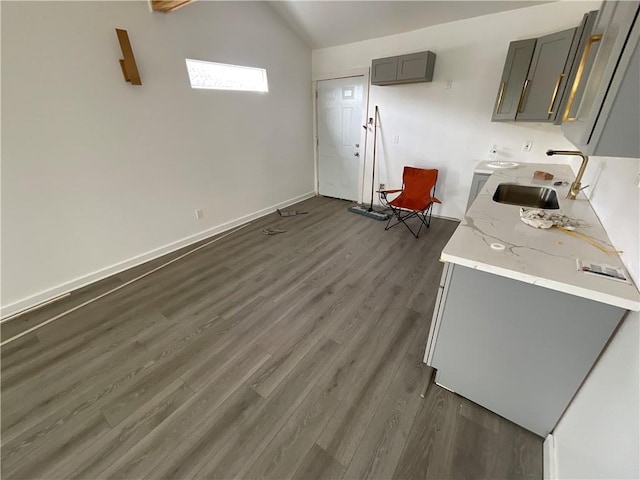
354, 72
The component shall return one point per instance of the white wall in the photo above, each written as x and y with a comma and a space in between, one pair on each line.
451, 129
98, 174
599, 435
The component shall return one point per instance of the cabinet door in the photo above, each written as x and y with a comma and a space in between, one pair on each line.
517, 349
582, 37
547, 76
512, 83
384, 70
416, 67
607, 119
437, 312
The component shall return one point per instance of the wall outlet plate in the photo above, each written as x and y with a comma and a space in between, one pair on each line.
382, 186
199, 214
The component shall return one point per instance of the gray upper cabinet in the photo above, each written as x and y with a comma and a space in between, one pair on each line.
547, 76
602, 114
537, 75
411, 68
513, 81
416, 67
384, 70
582, 37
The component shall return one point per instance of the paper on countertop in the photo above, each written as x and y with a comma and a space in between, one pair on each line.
602, 270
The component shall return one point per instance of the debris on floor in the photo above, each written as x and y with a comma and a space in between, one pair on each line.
272, 231
289, 213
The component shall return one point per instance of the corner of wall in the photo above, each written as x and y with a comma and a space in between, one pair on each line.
549, 458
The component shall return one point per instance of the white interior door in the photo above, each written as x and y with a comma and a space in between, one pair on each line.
339, 117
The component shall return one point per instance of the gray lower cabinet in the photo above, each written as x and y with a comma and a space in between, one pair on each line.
478, 181
547, 77
410, 68
517, 349
602, 115
514, 75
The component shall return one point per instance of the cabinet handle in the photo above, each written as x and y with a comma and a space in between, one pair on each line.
524, 92
576, 83
500, 97
555, 93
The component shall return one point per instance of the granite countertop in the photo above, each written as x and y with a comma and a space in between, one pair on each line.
541, 257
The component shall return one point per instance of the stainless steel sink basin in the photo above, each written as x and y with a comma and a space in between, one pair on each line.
526, 196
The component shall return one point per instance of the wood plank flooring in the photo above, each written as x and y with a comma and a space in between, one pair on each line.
297, 355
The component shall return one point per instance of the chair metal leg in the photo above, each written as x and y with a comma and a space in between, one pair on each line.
402, 219
422, 216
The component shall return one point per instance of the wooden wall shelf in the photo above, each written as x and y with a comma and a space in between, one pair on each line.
128, 64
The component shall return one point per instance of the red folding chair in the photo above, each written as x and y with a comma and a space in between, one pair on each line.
416, 198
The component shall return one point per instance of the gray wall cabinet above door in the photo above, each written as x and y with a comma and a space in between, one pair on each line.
513, 82
384, 70
410, 68
416, 67
548, 76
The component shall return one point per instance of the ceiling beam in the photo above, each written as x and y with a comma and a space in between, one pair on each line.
166, 6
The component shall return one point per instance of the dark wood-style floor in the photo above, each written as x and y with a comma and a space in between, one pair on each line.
297, 355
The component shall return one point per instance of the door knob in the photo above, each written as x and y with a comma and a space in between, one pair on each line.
357, 154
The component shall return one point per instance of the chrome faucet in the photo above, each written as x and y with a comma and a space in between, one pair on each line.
575, 186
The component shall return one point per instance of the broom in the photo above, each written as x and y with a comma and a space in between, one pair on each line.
363, 209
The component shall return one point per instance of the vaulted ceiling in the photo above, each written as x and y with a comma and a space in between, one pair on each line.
328, 23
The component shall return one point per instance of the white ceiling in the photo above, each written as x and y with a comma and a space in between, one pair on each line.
329, 23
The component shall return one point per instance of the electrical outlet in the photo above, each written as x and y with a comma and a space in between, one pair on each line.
526, 146
382, 186
199, 214
396, 138
448, 84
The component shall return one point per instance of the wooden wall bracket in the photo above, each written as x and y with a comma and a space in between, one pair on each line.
128, 64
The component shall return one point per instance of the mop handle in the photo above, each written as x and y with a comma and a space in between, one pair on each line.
373, 170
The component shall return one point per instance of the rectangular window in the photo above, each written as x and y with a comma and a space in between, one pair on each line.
221, 76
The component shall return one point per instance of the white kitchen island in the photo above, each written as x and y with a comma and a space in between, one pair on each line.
517, 330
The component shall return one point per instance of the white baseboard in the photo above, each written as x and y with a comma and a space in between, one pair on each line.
453, 219
53, 292
443, 217
549, 466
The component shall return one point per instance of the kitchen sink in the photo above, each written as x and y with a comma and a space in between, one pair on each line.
526, 196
